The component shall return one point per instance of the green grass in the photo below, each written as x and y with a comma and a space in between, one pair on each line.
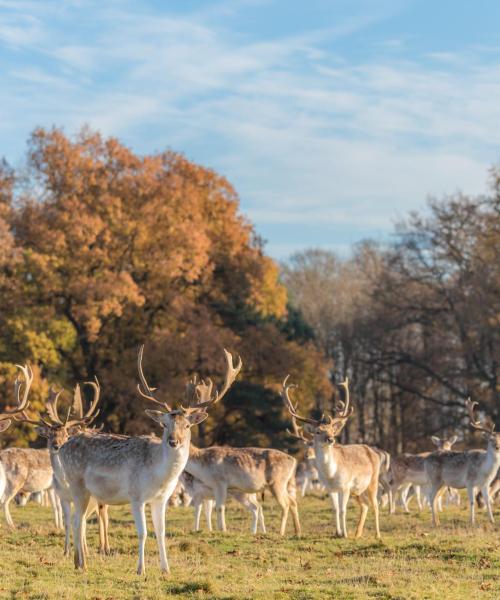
411, 561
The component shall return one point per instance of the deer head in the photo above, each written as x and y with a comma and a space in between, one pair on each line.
21, 403
488, 430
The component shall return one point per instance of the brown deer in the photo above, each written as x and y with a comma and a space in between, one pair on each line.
470, 469
247, 470
343, 470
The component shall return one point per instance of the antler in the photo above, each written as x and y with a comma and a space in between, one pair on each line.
285, 394
476, 424
343, 410
21, 404
143, 388
51, 406
77, 406
199, 394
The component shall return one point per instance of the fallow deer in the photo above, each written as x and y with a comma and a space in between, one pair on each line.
26, 469
470, 469
203, 496
131, 470
306, 476
6, 419
343, 470
58, 431
409, 470
247, 470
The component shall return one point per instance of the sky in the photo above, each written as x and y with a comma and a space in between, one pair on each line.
332, 118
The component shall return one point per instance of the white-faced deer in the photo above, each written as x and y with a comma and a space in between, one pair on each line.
247, 470
471, 469
8, 414
58, 430
203, 496
409, 470
343, 470
116, 469
26, 469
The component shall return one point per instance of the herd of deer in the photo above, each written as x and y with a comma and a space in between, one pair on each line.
85, 470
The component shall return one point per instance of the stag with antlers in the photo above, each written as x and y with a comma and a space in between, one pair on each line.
58, 430
470, 469
343, 470
26, 469
243, 470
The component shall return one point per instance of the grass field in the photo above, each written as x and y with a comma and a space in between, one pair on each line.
411, 561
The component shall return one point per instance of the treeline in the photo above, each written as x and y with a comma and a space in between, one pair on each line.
102, 250
416, 325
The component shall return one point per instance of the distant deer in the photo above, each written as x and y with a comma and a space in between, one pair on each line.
58, 431
343, 470
7, 415
470, 469
409, 469
26, 469
247, 470
203, 496
140, 470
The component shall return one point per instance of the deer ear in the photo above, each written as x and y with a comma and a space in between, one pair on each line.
5, 424
197, 417
453, 439
156, 415
435, 440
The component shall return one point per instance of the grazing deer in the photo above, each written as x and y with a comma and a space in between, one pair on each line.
6, 419
203, 496
247, 470
409, 469
131, 470
26, 469
471, 469
58, 431
343, 470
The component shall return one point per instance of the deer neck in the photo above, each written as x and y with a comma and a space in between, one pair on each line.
492, 460
172, 460
57, 468
325, 459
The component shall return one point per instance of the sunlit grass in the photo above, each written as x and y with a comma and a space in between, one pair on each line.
411, 561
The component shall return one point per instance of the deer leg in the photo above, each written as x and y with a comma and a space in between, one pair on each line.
197, 514
303, 488
471, 495
79, 520
158, 515
66, 508
6, 510
335, 501
343, 500
404, 497
261, 519
220, 507
363, 505
487, 500
433, 498
292, 502
282, 499
139, 512
103, 528
209, 506
249, 501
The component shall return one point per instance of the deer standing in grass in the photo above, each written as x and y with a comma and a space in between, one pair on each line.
343, 470
471, 469
131, 470
247, 470
26, 469
58, 431
203, 496
7, 416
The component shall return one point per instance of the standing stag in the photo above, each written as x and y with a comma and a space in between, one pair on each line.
130, 470
7, 415
58, 431
471, 469
247, 470
343, 470
26, 469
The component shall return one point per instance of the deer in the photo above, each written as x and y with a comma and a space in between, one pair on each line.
247, 470
203, 496
409, 469
26, 469
57, 431
6, 419
343, 470
307, 473
135, 470
470, 469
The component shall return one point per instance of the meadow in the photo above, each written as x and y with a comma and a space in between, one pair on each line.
411, 561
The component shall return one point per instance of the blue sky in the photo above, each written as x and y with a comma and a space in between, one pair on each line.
333, 119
